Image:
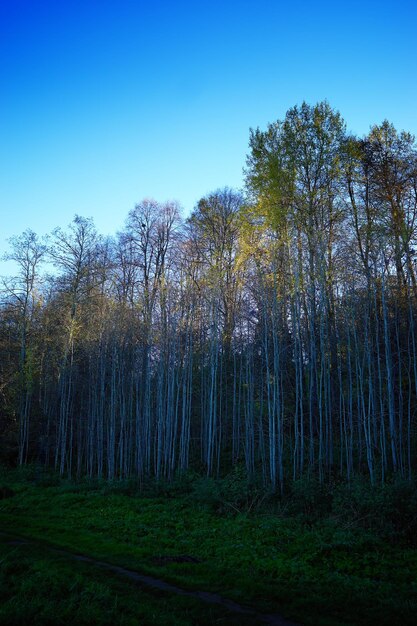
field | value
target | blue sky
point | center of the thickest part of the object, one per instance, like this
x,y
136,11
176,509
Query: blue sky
x,y
103,103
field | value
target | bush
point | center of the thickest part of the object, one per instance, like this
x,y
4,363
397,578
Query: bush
x,y
389,510
123,487
206,491
235,493
310,498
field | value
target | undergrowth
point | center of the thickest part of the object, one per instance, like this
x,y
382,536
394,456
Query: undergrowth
x,y
277,552
387,510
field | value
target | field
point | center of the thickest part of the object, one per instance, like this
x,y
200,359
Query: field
x,y
324,571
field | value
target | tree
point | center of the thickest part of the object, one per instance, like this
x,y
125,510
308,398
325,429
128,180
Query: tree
x,y
73,254
23,296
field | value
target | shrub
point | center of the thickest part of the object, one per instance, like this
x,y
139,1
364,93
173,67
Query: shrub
x,y
235,493
309,498
389,510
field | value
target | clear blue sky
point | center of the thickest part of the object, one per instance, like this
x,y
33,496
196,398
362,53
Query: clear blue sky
x,y
103,103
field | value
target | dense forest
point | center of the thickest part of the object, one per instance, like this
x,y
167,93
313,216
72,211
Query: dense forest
x,y
274,328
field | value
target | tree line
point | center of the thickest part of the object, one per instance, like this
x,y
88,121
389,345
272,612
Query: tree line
x,y
273,328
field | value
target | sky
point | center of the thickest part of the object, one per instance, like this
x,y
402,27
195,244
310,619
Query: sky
x,y
106,102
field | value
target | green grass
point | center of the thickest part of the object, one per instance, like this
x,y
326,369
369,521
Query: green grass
x,y
330,573
38,588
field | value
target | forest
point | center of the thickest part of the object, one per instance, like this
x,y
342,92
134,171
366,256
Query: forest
x,y
224,402
274,328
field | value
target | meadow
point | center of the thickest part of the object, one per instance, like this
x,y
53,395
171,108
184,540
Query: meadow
x,y
349,559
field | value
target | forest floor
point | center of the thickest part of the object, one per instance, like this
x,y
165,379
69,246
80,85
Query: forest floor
x,y
328,573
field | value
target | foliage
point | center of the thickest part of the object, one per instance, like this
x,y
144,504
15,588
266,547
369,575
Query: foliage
x,y
389,510
234,494
282,562
40,588
268,342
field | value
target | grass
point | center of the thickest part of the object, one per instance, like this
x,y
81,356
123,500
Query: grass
x,y
325,573
47,589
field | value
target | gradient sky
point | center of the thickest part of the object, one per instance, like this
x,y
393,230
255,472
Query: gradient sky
x,y
103,103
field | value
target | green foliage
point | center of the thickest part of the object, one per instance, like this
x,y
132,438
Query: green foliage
x,y
388,510
234,494
284,157
285,563
206,492
310,498
41,589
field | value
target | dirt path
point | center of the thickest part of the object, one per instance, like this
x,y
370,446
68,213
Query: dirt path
x,y
212,598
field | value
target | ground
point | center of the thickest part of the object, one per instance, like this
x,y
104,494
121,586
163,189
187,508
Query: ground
x,y
322,573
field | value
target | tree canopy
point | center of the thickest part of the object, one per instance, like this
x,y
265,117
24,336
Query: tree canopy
x,y
275,327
